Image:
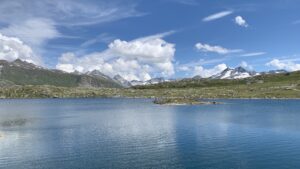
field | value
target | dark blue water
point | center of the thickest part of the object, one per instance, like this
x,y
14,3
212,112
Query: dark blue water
x,y
134,133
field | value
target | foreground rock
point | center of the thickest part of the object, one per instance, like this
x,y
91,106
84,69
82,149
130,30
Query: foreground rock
x,y
181,101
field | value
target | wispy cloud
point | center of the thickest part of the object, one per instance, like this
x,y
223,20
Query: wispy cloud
x,y
186,2
37,22
216,49
157,36
67,12
102,38
35,31
217,16
254,54
296,22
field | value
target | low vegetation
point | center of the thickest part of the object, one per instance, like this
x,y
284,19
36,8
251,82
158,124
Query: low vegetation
x,y
266,86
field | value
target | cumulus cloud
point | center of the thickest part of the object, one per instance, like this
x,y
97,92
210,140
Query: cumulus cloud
x,y
13,48
284,64
199,70
217,16
205,73
134,60
184,68
246,65
215,49
240,21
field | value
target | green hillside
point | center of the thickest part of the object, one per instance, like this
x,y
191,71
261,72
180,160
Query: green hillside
x,y
23,73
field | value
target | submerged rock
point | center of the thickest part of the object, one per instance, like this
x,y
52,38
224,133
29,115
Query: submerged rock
x,y
181,101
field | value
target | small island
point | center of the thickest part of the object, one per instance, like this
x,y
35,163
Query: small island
x,y
14,122
181,101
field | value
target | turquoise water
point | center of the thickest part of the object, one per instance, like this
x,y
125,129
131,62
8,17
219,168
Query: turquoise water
x,y
134,133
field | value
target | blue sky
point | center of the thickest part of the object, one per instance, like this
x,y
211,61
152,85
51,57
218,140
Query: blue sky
x,y
142,39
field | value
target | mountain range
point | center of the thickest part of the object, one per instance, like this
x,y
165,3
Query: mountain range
x,y
239,73
20,72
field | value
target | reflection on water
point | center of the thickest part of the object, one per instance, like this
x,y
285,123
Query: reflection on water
x,y
134,133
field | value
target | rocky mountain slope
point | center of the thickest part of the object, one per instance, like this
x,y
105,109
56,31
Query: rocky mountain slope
x,y
122,81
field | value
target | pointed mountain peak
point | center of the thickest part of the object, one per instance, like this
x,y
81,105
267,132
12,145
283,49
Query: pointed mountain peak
x,y
98,74
118,77
240,69
25,64
122,81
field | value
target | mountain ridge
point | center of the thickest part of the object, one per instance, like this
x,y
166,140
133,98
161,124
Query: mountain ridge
x,y
21,72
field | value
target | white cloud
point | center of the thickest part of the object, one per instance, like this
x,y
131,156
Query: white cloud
x,y
246,65
67,12
36,22
102,38
205,73
240,21
184,68
13,48
253,54
284,64
217,16
134,60
197,69
34,31
66,67
186,2
216,49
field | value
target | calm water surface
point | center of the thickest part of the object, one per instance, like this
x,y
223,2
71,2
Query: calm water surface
x,y
134,133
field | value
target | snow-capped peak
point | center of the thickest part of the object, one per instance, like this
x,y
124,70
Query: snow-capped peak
x,y
237,73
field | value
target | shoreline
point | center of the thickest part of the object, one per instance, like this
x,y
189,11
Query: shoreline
x,y
208,93
141,97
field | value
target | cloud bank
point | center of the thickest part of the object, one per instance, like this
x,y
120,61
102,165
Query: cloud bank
x,y
13,48
138,59
284,64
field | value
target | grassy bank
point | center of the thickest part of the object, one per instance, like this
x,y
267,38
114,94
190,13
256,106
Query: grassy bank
x,y
267,86
238,91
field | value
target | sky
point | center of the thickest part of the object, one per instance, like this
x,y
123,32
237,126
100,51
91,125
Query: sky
x,y
142,39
